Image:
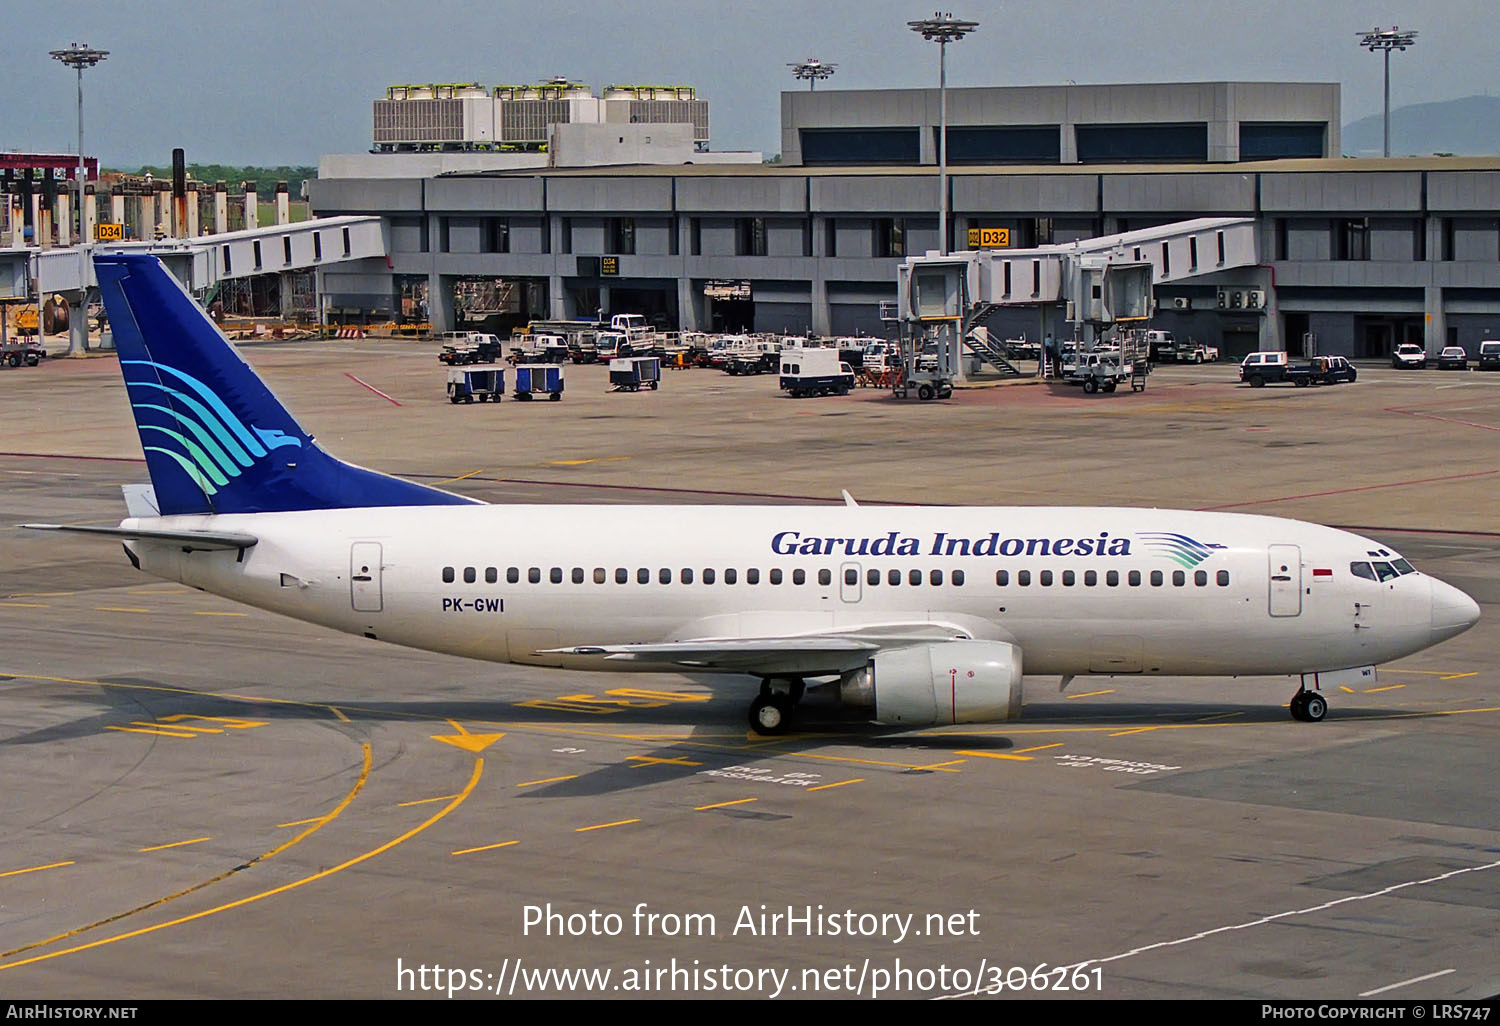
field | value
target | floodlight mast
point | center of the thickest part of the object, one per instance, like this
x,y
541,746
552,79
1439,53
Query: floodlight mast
x,y
942,28
812,69
79,56
1386,40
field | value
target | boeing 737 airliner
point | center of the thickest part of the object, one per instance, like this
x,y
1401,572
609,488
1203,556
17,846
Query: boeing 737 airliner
x,y
920,615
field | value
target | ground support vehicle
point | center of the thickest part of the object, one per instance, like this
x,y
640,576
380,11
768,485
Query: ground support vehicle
x,y
464,386
1264,367
534,379
1489,355
541,349
462,347
22,350
1321,370
634,373
807,372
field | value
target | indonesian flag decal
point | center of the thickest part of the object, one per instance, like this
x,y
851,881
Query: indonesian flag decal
x,y
1321,571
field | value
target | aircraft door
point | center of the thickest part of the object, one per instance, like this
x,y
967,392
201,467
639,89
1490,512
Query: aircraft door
x,y
850,589
364,576
1286,579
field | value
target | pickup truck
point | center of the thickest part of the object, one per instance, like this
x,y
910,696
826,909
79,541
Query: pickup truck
x,y
1320,370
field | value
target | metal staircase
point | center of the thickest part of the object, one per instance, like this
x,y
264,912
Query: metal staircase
x,y
978,341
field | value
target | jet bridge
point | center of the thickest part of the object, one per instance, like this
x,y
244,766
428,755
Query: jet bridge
x,y
1095,284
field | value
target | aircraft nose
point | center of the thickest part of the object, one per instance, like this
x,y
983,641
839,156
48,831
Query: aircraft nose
x,y
1453,612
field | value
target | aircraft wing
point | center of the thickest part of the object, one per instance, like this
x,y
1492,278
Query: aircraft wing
x,y
804,655
191,541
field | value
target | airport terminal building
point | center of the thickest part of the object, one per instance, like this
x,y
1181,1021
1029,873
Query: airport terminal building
x,y
1361,254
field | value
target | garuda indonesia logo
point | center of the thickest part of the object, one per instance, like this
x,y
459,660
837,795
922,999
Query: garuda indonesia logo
x,y
1179,548
213,445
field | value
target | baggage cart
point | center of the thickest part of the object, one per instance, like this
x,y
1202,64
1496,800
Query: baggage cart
x,y
465,385
533,379
634,373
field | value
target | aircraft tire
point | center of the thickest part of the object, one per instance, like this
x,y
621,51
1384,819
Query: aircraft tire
x,y
1314,707
1296,707
771,715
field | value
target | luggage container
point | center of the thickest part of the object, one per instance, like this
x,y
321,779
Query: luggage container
x,y
635,373
533,379
464,385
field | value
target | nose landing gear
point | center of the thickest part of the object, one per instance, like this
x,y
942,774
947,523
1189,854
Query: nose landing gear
x,y
1308,706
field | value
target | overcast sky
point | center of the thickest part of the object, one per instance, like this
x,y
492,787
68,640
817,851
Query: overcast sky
x,y
286,81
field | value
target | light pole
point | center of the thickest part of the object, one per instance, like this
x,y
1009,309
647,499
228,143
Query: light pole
x,y
944,28
79,56
1387,40
812,69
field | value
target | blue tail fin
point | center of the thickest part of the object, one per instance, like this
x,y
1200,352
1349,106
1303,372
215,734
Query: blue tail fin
x,y
216,439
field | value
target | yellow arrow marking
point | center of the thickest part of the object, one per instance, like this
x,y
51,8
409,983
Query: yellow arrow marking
x,y
475,743
232,722
653,760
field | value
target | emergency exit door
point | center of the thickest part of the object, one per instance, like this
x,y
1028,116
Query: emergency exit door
x,y
364,576
1286,579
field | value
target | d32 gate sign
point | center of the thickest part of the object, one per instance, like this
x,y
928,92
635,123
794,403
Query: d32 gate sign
x,y
989,238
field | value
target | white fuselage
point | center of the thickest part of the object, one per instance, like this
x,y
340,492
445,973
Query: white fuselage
x,y
1107,590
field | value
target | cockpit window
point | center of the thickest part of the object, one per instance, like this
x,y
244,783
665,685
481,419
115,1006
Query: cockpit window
x,y
1362,570
1403,567
1386,571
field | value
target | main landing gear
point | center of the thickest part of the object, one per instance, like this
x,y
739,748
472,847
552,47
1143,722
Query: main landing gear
x,y
1308,706
771,712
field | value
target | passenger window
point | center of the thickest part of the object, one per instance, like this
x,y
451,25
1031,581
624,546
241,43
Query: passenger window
x,y
469,576
872,577
447,575
686,575
935,578
664,575
708,576
1156,579
851,576
1386,571
556,575
1112,578
958,578
1179,578
491,575
825,577
1200,578
643,576
513,575
1023,578
1045,578
578,575
893,577
622,576
1090,578
1069,578
1002,577
914,577
799,576
598,575
775,577
730,576
1223,578
752,576
1364,570
1135,578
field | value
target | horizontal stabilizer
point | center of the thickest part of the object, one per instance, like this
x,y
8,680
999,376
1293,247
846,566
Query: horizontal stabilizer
x,y
191,541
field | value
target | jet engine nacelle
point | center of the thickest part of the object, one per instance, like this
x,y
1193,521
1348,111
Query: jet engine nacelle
x,y
945,682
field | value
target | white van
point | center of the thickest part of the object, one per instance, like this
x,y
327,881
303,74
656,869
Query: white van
x,y
1489,355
